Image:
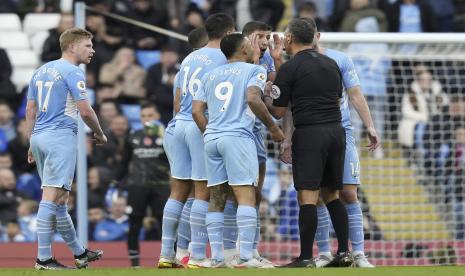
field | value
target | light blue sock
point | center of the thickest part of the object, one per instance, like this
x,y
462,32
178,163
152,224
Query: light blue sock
x,y
184,228
322,230
66,229
257,231
199,235
171,215
356,235
230,225
246,224
215,226
45,220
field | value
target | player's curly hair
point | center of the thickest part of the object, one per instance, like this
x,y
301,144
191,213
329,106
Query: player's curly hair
x,y
73,35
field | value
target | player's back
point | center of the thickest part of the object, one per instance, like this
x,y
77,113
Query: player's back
x,y
349,79
55,87
225,90
193,67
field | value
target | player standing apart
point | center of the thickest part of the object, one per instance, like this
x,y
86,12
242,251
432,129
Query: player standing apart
x,y
56,92
189,156
232,93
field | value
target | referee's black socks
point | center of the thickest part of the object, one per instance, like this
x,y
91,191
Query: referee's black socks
x,y
340,221
308,220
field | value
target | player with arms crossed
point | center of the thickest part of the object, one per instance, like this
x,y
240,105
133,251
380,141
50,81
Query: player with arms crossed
x,y
232,93
351,177
56,92
188,158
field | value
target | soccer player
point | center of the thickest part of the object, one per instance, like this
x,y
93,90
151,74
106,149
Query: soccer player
x,y
56,92
351,179
197,38
188,157
232,93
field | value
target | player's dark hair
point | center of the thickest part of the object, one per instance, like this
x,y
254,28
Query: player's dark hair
x,y
218,24
197,38
230,43
253,26
303,30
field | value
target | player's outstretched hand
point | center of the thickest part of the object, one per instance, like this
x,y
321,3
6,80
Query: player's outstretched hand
x,y
276,134
256,47
30,157
268,88
100,139
277,50
375,142
285,152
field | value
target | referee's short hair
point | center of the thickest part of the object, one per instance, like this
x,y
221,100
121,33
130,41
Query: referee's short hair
x,y
231,43
302,30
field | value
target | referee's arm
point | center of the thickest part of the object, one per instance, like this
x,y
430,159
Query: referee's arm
x,y
278,107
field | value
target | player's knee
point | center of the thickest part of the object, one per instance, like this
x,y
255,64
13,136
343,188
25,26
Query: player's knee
x,y
348,196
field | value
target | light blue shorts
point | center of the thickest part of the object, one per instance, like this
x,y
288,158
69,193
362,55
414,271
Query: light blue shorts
x,y
231,159
55,154
351,162
261,148
188,158
169,143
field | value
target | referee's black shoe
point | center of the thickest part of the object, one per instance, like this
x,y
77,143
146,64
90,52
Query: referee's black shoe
x,y
50,264
297,262
343,259
83,260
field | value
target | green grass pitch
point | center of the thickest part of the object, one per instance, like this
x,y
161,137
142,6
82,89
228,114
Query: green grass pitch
x,y
380,271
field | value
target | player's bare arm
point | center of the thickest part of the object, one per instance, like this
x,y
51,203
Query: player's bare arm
x,y
90,118
358,101
259,109
177,100
31,110
285,153
198,114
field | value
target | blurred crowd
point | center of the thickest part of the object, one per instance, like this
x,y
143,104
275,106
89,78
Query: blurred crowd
x,y
133,66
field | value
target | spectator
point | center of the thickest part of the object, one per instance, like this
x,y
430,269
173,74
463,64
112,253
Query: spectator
x,y
27,218
411,16
116,226
9,196
38,6
308,10
361,12
107,111
143,10
194,18
18,148
98,179
459,16
177,10
105,92
159,83
51,49
6,162
458,190
268,11
95,214
8,6
13,233
7,88
444,14
7,121
126,76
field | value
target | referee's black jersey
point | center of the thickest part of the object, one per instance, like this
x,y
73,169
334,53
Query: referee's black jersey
x,y
312,83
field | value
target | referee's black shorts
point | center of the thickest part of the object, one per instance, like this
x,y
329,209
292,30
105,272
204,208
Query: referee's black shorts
x,y
318,153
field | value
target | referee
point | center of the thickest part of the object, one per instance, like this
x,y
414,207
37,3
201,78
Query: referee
x,y
312,84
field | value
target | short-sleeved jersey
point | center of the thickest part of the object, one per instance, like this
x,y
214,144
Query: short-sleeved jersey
x,y
55,87
225,92
266,62
349,80
193,67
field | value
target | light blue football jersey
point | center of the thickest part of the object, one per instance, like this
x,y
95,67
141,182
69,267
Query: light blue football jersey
x,y
55,87
225,92
349,80
266,62
172,122
193,67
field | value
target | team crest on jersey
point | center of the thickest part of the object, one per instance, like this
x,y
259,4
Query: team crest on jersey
x,y
261,76
81,85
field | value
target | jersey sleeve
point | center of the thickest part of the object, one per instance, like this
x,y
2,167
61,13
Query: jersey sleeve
x,y
283,82
257,78
349,74
76,83
31,95
200,94
176,81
